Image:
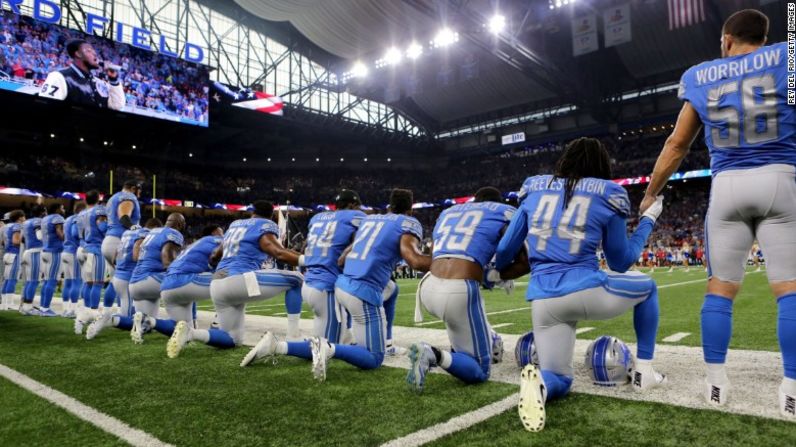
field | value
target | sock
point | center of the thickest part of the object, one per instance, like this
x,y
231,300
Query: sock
x,y
389,311
358,356
85,293
717,374
47,291
296,349
200,335
165,327
788,386
66,292
29,291
95,293
110,297
121,322
786,332
557,385
281,347
77,285
220,339
645,322
465,368
293,300
716,328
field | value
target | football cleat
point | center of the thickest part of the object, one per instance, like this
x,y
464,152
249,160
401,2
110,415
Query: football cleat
x,y
32,312
716,394
320,356
787,405
422,359
98,325
394,351
68,314
497,348
266,347
532,398
644,377
178,340
140,327
47,313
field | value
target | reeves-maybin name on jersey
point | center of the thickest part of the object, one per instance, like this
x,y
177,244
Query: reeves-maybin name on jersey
x,y
241,252
471,231
329,234
742,101
375,252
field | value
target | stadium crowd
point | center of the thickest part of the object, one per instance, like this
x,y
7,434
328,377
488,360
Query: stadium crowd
x,y
30,50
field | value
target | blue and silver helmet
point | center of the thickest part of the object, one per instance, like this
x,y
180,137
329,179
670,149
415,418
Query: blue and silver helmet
x,y
609,360
525,351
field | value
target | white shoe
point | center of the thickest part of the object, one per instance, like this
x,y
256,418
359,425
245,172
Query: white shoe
x,y
98,325
422,359
179,339
644,377
532,398
787,405
83,318
140,324
320,355
394,351
716,394
266,347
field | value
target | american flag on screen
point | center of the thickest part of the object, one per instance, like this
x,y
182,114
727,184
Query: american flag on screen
x,y
248,99
684,13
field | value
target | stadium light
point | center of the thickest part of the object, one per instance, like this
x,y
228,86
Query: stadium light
x,y
365,159
389,160
82,140
190,154
496,24
104,143
414,50
560,3
244,159
445,37
317,159
135,147
269,159
341,159
358,70
293,159
393,56
52,135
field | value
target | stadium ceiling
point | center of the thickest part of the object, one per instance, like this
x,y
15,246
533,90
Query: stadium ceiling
x,y
528,66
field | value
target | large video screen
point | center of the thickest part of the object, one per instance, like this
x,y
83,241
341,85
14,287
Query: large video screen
x,y
55,62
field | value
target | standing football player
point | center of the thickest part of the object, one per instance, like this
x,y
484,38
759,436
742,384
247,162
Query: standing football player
x,y
750,130
379,243
93,221
69,264
31,259
239,279
52,231
11,257
157,251
563,218
465,239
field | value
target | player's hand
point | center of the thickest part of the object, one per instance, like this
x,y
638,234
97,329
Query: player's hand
x,y
507,286
652,210
646,203
112,73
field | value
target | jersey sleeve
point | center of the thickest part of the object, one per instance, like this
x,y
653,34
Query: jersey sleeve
x,y
58,220
175,237
685,89
617,200
269,227
508,213
523,193
356,219
100,211
512,239
410,225
54,86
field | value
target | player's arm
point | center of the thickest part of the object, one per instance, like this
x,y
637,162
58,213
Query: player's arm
x,y
620,252
520,266
124,211
215,256
674,151
271,245
169,253
16,239
410,251
137,249
511,242
341,259
54,86
59,231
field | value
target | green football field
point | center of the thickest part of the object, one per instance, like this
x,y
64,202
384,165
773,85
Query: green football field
x,y
205,398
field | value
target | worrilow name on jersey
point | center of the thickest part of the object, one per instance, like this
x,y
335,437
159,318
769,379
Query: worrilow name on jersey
x,y
740,67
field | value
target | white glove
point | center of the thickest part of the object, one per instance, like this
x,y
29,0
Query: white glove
x,y
493,275
507,285
655,210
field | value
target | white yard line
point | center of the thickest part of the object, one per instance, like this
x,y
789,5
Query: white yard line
x,y
455,424
496,326
582,330
95,417
676,337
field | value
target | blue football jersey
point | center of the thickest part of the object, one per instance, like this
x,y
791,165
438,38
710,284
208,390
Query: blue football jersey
x,y
242,245
149,259
328,235
80,227
71,239
49,237
195,258
9,230
742,101
124,252
471,231
94,233
375,252
29,228
114,227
